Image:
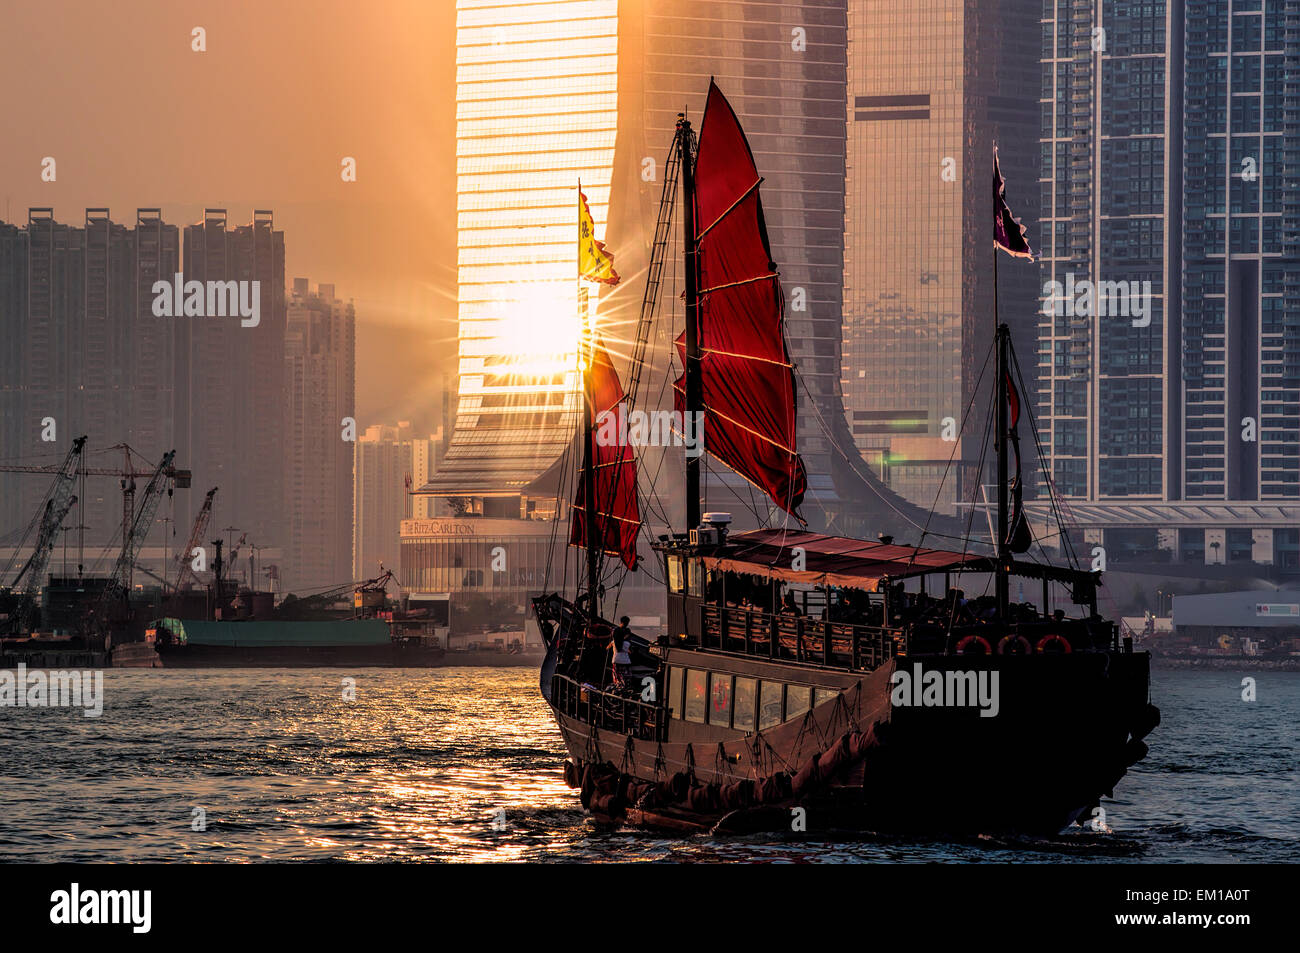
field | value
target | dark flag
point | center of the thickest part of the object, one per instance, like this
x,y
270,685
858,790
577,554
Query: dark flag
x,y
1008,233
1019,538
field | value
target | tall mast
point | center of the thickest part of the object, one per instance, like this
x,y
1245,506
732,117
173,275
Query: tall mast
x,y
1002,395
589,464
694,386
588,354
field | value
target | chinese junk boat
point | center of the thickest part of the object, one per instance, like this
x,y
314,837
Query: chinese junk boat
x,y
848,678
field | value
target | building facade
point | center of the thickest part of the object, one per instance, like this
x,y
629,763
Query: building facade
x,y
386,461
87,356
1170,150
931,91
781,66
320,404
536,112
233,376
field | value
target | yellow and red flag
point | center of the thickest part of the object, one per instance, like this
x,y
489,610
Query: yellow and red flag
x,y
594,263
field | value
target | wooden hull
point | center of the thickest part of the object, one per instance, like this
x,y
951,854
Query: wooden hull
x,y
1066,729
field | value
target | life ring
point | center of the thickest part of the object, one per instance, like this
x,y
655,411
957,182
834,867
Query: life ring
x,y
1055,639
968,640
1005,643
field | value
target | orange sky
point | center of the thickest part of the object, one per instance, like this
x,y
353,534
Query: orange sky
x,y
286,89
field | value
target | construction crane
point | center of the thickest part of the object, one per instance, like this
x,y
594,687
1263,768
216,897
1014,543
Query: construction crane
x,y
231,559
119,585
58,501
186,558
126,474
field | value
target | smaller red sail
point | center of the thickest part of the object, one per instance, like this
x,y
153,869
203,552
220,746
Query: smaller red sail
x,y
618,519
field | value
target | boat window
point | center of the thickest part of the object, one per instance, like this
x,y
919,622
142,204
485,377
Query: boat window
x,y
696,577
746,689
674,573
720,700
769,707
797,698
675,681
823,694
697,685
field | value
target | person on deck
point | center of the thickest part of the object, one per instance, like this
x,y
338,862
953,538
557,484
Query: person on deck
x,y
620,648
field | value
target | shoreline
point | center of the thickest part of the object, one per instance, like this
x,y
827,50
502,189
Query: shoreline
x,y
1225,664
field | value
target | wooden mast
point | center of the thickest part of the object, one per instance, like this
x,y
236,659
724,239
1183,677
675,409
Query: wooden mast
x,y
694,395
587,353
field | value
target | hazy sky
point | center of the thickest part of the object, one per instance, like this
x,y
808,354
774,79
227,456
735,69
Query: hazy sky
x,y
262,119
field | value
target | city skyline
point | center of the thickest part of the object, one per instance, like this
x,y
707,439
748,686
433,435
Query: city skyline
x,y
651,432
1102,109
166,132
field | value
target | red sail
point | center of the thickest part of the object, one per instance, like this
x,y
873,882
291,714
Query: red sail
x,y
747,376
617,517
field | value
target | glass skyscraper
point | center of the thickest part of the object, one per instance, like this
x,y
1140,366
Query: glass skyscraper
x,y
550,92
931,90
536,111
781,65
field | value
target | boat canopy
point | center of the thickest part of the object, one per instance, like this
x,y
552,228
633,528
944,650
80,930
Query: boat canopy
x,y
856,563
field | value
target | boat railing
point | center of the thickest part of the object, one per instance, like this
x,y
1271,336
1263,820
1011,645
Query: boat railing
x,y
798,638
607,710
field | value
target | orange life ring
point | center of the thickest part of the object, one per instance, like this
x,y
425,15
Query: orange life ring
x,y
1054,639
966,642
1005,643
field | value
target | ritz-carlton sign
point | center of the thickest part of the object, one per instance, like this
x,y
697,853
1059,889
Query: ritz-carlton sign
x,y
438,528
472,527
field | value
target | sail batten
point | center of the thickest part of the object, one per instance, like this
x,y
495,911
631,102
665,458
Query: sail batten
x,y
747,376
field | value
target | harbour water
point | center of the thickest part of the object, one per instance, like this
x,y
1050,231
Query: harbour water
x,y
464,764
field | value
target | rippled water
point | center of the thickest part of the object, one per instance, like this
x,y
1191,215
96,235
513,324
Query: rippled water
x,y
424,763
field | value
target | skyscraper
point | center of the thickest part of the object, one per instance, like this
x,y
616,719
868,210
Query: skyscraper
x,y
87,353
1170,156
13,306
782,67
233,376
604,83
536,95
320,398
1109,165
931,90
386,461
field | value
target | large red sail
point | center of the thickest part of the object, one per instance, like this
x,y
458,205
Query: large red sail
x,y
617,516
746,372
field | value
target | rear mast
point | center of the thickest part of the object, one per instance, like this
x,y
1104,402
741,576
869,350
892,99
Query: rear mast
x,y
1003,425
